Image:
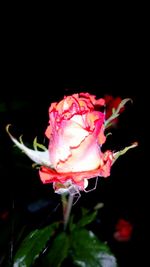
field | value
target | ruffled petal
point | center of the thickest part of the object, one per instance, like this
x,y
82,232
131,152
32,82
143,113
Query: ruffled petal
x,y
48,175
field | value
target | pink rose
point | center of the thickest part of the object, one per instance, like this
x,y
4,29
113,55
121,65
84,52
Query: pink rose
x,y
76,133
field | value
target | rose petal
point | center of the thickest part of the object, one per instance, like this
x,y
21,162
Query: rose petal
x,y
48,175
69,135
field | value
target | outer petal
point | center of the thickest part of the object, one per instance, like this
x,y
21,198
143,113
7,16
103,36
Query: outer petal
x,y
98,102
101,136
69,135
85,158
48,132
49,175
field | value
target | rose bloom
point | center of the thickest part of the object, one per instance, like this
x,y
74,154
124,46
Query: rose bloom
x,y
123,230
76,134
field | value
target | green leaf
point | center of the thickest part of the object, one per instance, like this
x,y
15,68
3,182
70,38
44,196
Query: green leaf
x,y
39,157
87,219
123,151
36,145
88,250
58,251
122,103
115,112
84,211
33,245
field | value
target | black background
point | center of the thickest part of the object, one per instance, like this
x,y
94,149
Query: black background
x,y
38,68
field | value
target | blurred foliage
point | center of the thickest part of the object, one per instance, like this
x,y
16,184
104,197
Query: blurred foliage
x,y
51,246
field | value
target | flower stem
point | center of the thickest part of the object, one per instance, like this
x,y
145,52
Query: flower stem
x,y
67,210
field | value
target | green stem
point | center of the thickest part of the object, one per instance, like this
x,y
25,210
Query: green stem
x,y
67,210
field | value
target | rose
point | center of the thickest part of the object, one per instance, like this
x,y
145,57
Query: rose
x,y
76,135
123,230
64,181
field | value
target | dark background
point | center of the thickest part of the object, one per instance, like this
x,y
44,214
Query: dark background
x,y
37,69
